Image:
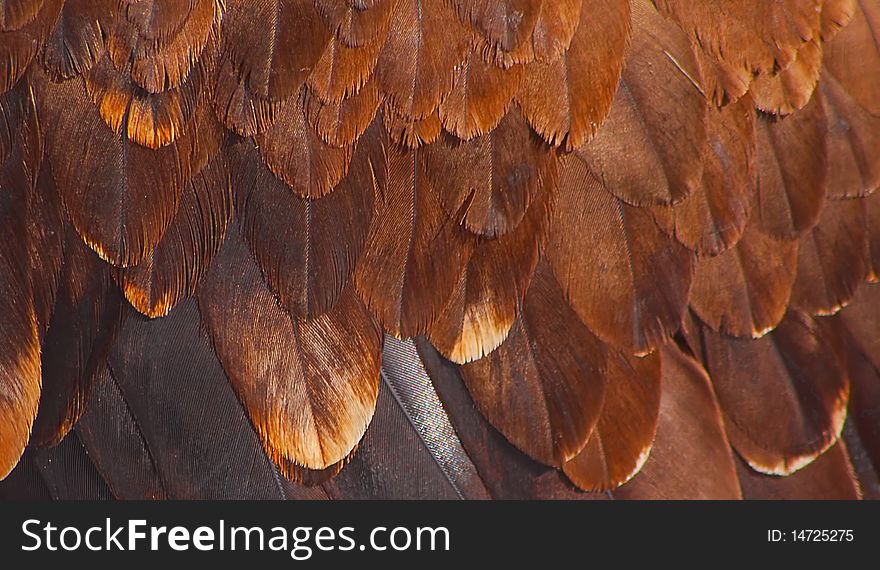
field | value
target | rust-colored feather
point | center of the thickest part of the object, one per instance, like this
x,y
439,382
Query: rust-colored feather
x,y
19,45
480,97
713,217
425,44
691,457
341,124
790,89
411,133
297,155
622,440
649,149
626,279
860,317
306,248
356,24
543,387
859,75
832,259
567,99
831,476
506,25
745,291
487,299
497,175
172,271
414,251
342,71
795,381
308,385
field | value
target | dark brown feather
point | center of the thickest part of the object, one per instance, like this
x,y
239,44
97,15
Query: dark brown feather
x,y
831,476
341,124
76,41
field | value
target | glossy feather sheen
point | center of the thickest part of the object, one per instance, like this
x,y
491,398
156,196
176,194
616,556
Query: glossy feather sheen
x,y
550,358
623,276
796,379
309,386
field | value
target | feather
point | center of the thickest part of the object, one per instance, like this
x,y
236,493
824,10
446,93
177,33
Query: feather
x,y
506,25
411,133
45,238
15,14
625,278
864,470
622,440
872,206
295,153
410,450
649,149
183,410
713,217
792,170
860,317
566,100
836,14
858,76
172,271
790,89
356,25
69,473
343,71
237,107
425,44
832,259
76,41
506,472
829,477
851,134
158,66
543,387
750,37
80,333
796,382
341,124
414,252
498,175
864,401
119,196
745,291
307,249
19,45
309,386
115,444
691,457
487,299
20,342
481,96
24,483
273,45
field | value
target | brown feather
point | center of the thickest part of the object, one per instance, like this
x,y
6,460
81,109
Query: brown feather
x,y
309,386
172,271
792,172
649,149
480,97
497,174
506,25
425,44
691,457
832,259
119,196
237,107
566,100
353,24
624,277
487,299
790,89
341,124
622,440
19,45
836,14
295,153
414,251
306,248
713,217
861,319
795,382
543,387
411,133
831,476
872,223
858,75
342,71
76,41
745,291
